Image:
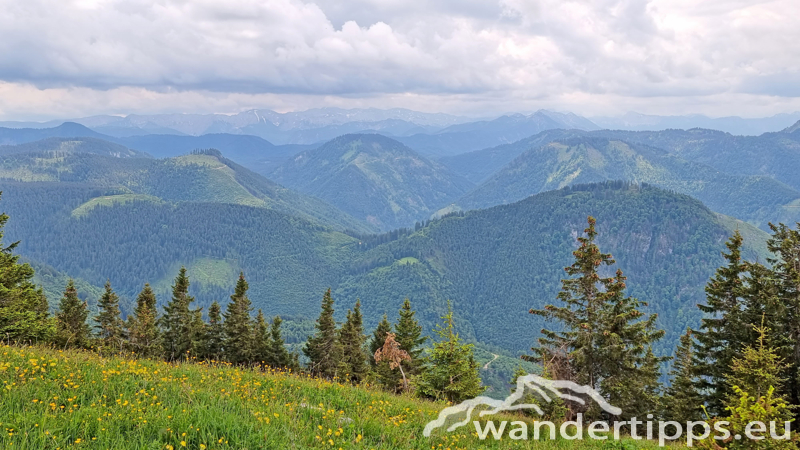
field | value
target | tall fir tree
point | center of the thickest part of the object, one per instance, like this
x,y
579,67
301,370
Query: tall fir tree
x,y
144,339
604,341
682,401
24,315
718,339
177,323
197,333
278,356
215,334
629,369
388,378
72,331
261,340
582,299
450,371
323,349
110,326
408,333
785,246
237,325
354,363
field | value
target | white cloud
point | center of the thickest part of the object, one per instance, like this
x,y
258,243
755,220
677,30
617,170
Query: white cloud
x,y
590,56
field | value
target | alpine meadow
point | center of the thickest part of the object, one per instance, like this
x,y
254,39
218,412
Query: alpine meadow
x,y
320,224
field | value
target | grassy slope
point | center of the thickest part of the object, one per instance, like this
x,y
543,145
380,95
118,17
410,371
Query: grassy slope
x,y
54,399
110,200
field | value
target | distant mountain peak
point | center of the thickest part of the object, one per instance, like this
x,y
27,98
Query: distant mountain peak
x,y
792,128
373,178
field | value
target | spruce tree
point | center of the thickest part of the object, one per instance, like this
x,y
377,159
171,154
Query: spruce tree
x,y
682,401
197,333
110,326
237,325
24,315
718,339
144,339
177,322
409,335
785,274
261,340
215,334
450,371
351,337
279,356
604,339
323,349
72,331
579,317
629,369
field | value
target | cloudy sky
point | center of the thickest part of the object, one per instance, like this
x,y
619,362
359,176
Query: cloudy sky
x,y
69,58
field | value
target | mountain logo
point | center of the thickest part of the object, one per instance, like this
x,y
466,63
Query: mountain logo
x,y
547,390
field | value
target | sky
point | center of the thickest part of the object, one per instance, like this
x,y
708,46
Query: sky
x,y
75,58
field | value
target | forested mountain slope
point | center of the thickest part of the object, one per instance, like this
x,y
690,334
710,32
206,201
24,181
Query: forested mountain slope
x,y
203,177
498,263
253,152
584,159
289,261
373,178
776,155
477,166
494,264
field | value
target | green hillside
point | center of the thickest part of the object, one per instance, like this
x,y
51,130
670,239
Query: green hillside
x,y
774,155
494,264
477,166
498,263
289,261
203,177
373,178
755,199
80,400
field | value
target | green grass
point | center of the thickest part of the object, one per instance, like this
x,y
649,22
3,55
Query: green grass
x,y
111,200
408,260
54,400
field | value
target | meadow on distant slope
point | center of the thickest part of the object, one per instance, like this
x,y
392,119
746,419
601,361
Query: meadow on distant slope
x,y
72,399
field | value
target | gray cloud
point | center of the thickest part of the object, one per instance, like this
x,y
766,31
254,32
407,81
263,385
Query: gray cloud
x,y
467,55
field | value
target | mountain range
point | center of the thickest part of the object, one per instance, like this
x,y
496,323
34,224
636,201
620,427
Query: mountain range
x,y
735,125
462,138
200,177
757,199
97,210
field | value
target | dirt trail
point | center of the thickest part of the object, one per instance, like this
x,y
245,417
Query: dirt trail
x,y
486,366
